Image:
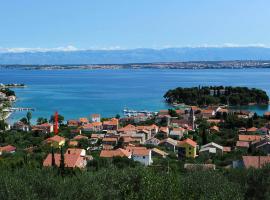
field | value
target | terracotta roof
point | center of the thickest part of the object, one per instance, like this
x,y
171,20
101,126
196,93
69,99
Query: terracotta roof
x,y
160,152
87,126
73,143
73,122
267,114
114,153
208,111
71,160
252,129
242,144
150,127
249,137
112,122
255,161
195,108
83,120
180,112
107,147
96,123
127,128
98,136
170,141
79,137
227,149
164,129
56,138
188,141
76,151
216,121
110,139
138,151
8,148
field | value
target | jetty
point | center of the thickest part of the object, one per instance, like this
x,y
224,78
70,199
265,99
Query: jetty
x,y
129,113
18,109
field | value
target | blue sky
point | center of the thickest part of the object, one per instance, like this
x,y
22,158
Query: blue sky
x,y
129,24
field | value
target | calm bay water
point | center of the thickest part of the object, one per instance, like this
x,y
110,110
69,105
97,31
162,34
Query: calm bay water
x,y
78,93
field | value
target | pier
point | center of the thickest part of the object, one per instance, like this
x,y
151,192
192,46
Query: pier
x,y
129,113
18,109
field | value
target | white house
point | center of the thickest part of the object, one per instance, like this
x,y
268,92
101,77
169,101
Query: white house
x,y
141,154
95,117
211,148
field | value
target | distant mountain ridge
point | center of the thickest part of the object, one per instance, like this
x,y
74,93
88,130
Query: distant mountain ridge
x,y
135,56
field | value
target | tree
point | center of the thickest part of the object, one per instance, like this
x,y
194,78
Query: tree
x,y
62,162
53,158
172,113
204,137
3,125
24,120
117,116
41,120
60,119
29,117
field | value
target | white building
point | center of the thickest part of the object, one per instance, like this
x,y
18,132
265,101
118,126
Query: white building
x,y
95,117
141,154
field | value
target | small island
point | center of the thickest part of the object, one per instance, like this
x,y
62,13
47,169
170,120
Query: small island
x,y
216,95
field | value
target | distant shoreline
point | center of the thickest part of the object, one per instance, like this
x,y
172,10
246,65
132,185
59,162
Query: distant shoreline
x,y
248,64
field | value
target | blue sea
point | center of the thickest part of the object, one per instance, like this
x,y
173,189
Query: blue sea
x,y
78,93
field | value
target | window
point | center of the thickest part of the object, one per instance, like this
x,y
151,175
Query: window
x,y
189,148
143,157
189,153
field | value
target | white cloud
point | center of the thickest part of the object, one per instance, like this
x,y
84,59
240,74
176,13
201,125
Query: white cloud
x,y
38,49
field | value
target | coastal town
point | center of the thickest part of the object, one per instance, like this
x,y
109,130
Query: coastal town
x,y
210,137
190,139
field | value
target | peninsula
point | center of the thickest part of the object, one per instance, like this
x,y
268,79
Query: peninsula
x,y
216,95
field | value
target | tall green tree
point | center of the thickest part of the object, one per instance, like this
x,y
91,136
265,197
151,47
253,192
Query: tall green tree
x,y
53,158
62,162
29,117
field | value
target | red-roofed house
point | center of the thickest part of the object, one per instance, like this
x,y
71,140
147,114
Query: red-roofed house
x,y
115,153
249,138
56,141
187,148
73,123
140,154
43,128
255,161
72,160
111,124
7,149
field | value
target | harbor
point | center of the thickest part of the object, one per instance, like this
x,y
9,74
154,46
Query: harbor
x,y
131,113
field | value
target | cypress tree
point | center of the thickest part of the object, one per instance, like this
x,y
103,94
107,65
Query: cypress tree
x,y
62,162
53,158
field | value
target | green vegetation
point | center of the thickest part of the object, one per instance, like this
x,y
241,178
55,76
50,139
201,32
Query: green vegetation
x,y
216,95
